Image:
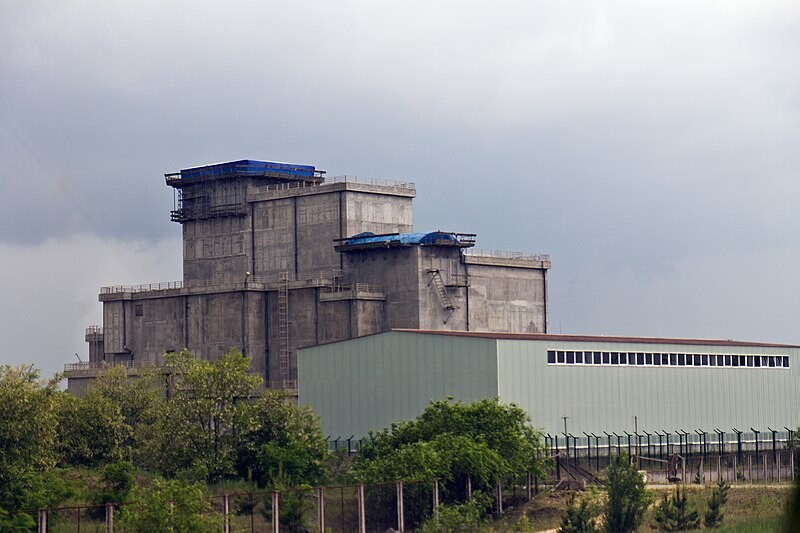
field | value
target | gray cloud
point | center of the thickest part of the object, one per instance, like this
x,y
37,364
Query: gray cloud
x,y
649,147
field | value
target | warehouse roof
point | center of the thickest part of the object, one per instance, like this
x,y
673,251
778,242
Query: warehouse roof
x,y
594,338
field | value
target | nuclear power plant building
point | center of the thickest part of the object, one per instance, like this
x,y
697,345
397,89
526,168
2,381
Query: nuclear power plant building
x,y
276,257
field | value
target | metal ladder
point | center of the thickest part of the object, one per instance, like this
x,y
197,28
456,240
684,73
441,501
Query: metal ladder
x,y
283,324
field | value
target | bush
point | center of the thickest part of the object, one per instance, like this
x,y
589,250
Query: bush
x,y
467,517
673,513
627,498
719,496
169,506
578,519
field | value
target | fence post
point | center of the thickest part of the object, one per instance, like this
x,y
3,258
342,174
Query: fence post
x,y
42,520
362,516
750,467
321,509
735,474
276,512
400,519
469,488
435,498
683,469
499,499
226,513
778,464
719,468
528,487
764,456
109,518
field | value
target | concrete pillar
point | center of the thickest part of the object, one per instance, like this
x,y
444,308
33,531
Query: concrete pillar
x,y
400,515
276,512
42,520
109,518
226,513
321,509
362,517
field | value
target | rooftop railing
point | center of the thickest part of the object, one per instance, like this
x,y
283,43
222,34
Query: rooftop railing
x,y
502,254
409,185
165,285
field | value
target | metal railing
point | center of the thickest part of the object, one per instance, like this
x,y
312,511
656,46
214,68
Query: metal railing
x,y
288,385
358,287
117,289
101,365
94,330
502,254
408,185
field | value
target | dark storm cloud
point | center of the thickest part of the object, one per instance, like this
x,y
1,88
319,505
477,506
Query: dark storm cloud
x,y
649,147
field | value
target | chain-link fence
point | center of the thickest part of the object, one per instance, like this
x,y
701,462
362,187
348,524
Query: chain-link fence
x,y
378,507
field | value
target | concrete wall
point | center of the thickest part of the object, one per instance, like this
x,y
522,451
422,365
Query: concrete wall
x,y
507,297
364,211
397,271
290,230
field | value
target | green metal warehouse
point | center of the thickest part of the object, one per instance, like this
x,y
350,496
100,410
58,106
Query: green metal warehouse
x,y
601,384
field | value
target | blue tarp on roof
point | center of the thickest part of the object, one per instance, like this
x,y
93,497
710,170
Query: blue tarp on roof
x,y
434,237
249,167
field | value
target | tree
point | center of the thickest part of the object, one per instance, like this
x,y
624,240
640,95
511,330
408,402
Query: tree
x,y
281,442
27,438
450,440
673,513
91,431
484,441
578,518
208,408
719,497
627,498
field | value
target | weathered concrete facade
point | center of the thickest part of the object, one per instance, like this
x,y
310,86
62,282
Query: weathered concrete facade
x,y
268,270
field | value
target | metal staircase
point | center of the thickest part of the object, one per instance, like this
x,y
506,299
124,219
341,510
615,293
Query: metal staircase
x,y
441,290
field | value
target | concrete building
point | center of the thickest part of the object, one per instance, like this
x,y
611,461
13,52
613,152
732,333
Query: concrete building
x,y
602,384
276,257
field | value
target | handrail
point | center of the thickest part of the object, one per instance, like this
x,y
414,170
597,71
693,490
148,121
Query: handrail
x,y
409,185
502,254
166,285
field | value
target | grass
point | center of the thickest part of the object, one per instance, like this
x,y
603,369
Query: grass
x,y
751,509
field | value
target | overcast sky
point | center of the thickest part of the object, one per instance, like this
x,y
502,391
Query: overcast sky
x,y
649,147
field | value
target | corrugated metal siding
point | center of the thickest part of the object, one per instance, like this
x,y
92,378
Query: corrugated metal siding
x,y
366,383
607,398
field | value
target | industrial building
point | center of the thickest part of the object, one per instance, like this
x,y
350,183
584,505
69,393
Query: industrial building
x,y
326,286
276,257
601,384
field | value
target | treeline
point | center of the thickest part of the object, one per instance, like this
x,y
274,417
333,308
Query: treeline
x,y
195,423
